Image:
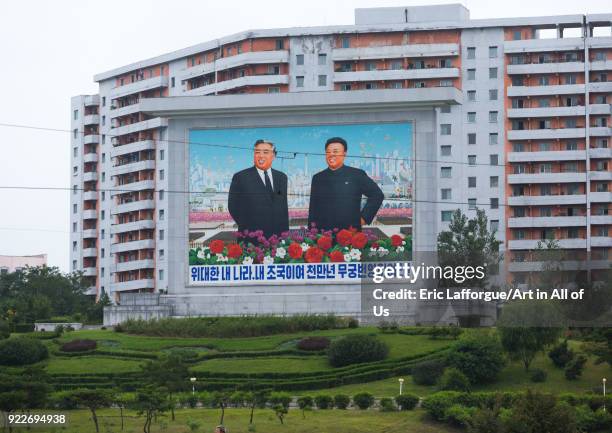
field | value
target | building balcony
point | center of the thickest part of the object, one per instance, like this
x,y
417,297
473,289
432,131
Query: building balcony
x,y
158,122
90,234
532,244
601,219
148,164
91,119
546,112
90,214
133,285
604,109
90,176
600,131
395,52
605,87
600,197
601,65
543,45
137,146
91,100
90,195
556,221
566,265
546,68
600,175
134,186
536,200
91,139
139,86
90,272
546,134
133,246
133,206
133,265
553,155
90,157
562,89
248,80
124,111
601,241
133,226
396,74
90,252
546,178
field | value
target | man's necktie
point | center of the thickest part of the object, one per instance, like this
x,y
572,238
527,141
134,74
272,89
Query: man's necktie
x,y
268,183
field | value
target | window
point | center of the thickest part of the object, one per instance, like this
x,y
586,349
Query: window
x,y
518,190
74,208
75,151
445,194
104,157
74,227
102,215
545,190
172,82
445,109
74,189
102,252
471,138
103,120
322,59
161,235
74,245
471,74
599,56
471,95
493,95
493,181
103,139
161,154
370,86
492,73
104,101
471,203
161,194
162,174
299,59
75,114
519,234
396,64
322,80
446,172
570,79
493,159
445,150
572,232
517,81
492,116
545,211
103,195
445,63
395,85
471,182
280,44
545,124
103,176
494,225
102,234
492,52
543,103
493,138
544,147
161,274
518,147
471,159
160,254
419,85
445,129
346,42
471,117
75,133
273,89
161,214
101,272
446,215
345,87
519,212
494,203
299,81
543,81
446,83
74,265
570,123
471,52
519,168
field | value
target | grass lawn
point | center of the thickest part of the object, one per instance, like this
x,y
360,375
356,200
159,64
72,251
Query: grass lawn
x,y
91,364
236,420
408,345
285,364
379,388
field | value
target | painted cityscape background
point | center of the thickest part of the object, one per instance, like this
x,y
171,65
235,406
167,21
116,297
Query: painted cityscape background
x,y
383,150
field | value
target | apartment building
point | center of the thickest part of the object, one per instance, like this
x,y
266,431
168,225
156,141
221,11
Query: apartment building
x,y
512,116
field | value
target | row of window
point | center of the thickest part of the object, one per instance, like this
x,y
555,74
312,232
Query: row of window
x,y
493,52
471,74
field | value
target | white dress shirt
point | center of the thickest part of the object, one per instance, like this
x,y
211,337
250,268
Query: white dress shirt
x,y
263,176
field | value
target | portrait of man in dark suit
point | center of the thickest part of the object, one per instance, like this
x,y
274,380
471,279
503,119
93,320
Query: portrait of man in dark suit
x,y
336,192
258,195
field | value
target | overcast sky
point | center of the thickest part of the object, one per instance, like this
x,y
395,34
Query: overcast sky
x,y
50,51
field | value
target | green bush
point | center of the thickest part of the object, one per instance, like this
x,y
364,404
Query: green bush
x,y
23,327
5,331
428,372
354,349
561,354
478,357
537,412
486,421
22,351
588,420
363,400
406,401
342,401
437,404
387,405
538,375
305,402
459,416
324,401
352,323
573,370
454,380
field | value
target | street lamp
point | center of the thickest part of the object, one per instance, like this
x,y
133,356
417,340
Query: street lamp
x,y
604,393
401,382
193,381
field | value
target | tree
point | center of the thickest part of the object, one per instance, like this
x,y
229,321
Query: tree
x,y
121,402
12,401
150,402
479,357
468,242
304,403
524,342
92,399
255,399
537,413
280,411
220,400
169,372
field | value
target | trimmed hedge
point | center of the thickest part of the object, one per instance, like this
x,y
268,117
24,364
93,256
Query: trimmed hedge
x,y
354,349
22,351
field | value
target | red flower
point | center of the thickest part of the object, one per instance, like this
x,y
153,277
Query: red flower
x,y
314,255
324,242
375,245
234,251
336,256
396,240
344,237
295,250
216,246
359,240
